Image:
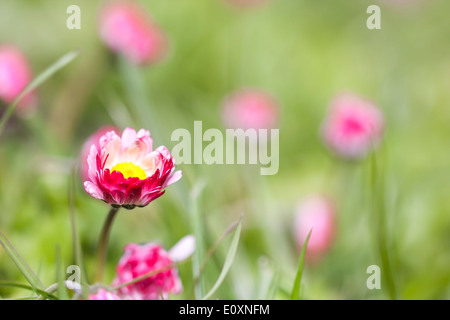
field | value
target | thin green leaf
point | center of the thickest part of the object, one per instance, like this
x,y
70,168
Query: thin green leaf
x,y
196,221
228,261
267,281
41,78
301,262
273,287
20,263
63,295
213,249
379,212
25,298
77,252
27,287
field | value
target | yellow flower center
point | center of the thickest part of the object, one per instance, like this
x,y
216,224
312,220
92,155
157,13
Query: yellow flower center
x,y
130,170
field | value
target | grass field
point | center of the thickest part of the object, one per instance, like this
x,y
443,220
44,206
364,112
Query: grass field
x,y
392,206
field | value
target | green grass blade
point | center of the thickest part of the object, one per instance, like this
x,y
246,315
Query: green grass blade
x,y
273,287
228,261
379,212
20,263
196,221
12,284
41,78
62,290
267,281
76,245
298,277
213,249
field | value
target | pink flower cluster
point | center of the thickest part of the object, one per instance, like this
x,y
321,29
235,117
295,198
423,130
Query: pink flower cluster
x,y
140,260
148,272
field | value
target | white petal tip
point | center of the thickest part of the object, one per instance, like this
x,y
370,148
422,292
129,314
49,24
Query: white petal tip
x,y
183,249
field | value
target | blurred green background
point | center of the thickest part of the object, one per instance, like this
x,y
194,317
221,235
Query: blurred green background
x,y
303,53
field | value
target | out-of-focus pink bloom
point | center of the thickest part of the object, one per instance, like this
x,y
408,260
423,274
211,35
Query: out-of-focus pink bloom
x,y
353,126
126,28
316,213
15,75
94,139
250,109
140,260
104,295
246,3
125,171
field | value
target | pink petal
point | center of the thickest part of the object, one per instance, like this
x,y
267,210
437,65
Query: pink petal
x,y
93,190
128,138
174,177
112,152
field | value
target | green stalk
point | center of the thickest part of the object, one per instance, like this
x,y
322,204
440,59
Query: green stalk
x,y
301,263
197,228
379,208
103,243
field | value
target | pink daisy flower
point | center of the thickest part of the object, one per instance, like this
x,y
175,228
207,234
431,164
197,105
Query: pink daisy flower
x,y
151,259
250,109
126,28
353,127
316,213
15,75
125,170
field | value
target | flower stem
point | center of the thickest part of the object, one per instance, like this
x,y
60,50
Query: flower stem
x,y
379,208
103,243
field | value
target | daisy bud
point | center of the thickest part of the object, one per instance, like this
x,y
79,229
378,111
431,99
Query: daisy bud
x,y
15,75
353,126
316,213
126,171
250,109
125,28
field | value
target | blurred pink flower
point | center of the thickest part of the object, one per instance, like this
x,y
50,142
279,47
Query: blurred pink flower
x,y
94,139
250,109
126,28
316,213
125,171
353,126
15,75
140,260
104,295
